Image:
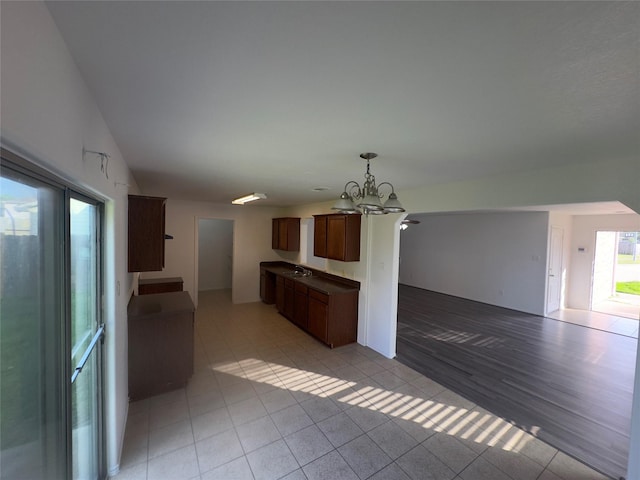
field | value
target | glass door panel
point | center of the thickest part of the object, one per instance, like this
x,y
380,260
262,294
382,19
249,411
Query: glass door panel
x,y
86,333
32,378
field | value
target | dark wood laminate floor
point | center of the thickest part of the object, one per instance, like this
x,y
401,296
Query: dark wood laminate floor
x,y
569,385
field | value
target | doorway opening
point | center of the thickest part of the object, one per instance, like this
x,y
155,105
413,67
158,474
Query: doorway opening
x,y
615,287
215,254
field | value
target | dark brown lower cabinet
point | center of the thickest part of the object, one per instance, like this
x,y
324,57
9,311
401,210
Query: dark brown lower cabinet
x,y
331,318
318,316
160,343
300,305
267,287
289,295
280,294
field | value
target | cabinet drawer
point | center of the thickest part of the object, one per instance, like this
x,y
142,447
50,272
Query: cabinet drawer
x,y
322,297
288,283
301,288
166,287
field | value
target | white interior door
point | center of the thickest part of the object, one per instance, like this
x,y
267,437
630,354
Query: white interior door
x,y
554,284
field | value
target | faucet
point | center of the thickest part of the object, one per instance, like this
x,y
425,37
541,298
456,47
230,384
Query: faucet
x,y
302,271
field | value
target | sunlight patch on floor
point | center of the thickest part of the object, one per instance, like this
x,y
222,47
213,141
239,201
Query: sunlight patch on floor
x,y
463,423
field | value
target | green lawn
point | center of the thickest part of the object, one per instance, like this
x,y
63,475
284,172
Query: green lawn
x,y
628,259
628,287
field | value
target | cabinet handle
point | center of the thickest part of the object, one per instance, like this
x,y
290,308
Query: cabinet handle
x,y
99,335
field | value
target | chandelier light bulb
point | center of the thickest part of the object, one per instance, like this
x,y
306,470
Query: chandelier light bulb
x,y
367,199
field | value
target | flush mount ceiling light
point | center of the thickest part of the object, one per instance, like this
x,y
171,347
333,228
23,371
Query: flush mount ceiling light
x,y
249,198
367,196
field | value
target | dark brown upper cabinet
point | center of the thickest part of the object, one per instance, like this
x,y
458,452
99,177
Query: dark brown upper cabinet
x,y
320,236
337,236
146,233
285,234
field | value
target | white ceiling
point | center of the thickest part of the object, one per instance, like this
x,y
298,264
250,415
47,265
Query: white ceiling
x,y
213,100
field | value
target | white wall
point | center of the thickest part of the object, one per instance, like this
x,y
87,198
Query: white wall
x,y
215,254
251,244
383,233
48,116
495,258
583,245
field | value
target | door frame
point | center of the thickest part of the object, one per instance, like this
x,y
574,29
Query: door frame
x,y
555,251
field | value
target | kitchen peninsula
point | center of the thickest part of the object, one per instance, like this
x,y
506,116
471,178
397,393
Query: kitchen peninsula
x,y
160,343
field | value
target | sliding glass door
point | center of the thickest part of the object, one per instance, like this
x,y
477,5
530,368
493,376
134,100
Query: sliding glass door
x,y
86,337
50,314
32,432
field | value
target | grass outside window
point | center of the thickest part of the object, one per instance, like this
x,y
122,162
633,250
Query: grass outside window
x,y
632,288
628,259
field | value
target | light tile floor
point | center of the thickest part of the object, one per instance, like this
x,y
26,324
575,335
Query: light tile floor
x,y
267,401
609,322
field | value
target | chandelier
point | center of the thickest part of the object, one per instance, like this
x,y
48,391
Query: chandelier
x,y
367,199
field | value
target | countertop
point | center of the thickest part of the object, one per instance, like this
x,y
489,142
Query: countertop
x,y
159,304
325,283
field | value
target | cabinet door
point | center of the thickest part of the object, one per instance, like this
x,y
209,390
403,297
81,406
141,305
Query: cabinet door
x,y
275,233
317,319
343,237
285,234
280,294
300,306
293,234
320,236
146,233
267,287
288,298
336,237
